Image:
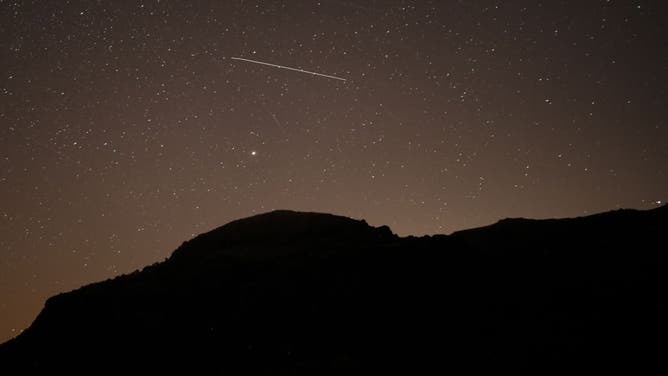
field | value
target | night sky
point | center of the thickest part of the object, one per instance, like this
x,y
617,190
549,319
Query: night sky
x,y
127,127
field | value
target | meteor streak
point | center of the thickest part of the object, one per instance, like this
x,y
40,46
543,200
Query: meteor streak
x,y
289,68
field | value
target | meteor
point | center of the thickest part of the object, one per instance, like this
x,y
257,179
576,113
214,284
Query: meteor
x,y
289,68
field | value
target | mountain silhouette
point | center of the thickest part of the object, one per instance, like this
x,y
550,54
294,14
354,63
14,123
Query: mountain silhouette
x,y
309,293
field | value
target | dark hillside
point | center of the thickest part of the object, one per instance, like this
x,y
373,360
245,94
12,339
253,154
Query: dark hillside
x,y
308,293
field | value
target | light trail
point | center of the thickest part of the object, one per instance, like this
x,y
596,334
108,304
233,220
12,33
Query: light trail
x,y
289,68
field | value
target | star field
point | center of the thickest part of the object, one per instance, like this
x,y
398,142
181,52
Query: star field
x,y
126,127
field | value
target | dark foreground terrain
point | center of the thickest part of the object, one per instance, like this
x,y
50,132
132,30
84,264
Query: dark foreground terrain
x,y
311,294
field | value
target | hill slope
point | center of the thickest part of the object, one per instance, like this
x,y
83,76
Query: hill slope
x,y
308,293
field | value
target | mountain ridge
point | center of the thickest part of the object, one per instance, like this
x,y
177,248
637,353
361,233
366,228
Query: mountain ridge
x,y
296,292
282,227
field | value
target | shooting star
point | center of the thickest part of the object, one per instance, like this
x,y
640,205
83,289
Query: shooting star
x,y
289,68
